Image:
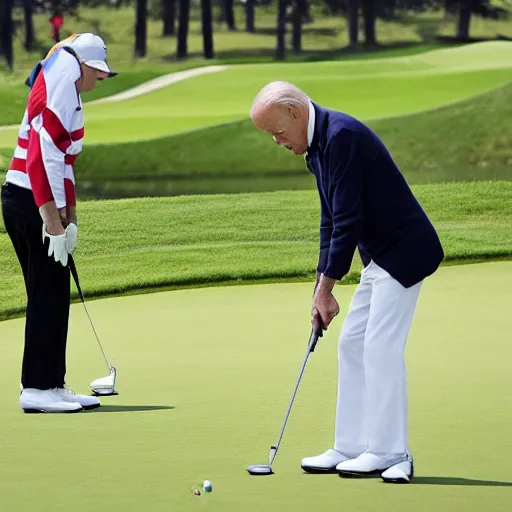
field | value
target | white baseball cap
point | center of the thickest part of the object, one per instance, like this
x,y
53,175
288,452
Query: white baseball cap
x,y
92,51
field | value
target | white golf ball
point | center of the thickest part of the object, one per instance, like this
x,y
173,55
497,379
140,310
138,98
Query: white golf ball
x,y
207,486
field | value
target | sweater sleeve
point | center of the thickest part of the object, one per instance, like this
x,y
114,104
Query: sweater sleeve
x,y
326,228
52,104
347,201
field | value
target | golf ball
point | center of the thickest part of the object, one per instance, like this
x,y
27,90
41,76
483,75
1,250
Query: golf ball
x,y
207,486
197,492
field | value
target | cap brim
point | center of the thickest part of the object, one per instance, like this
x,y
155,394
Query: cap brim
x,y
100,66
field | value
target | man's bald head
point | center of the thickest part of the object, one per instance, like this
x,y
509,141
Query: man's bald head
x,y
282,109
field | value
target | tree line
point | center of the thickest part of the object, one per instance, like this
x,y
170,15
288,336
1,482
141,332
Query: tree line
x,y
175,16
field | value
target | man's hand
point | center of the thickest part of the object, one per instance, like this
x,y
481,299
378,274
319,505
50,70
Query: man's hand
x,y
61,245
325,307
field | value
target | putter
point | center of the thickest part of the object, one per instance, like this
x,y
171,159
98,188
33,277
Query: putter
x,y
104,386
266,469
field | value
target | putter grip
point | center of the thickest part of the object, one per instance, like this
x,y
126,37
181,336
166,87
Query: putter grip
x,y
313,340
74,273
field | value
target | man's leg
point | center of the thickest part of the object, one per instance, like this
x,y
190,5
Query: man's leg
x,y
351,425
44,359
350,435
391,314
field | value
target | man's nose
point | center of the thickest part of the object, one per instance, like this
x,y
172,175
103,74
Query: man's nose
x,y
278,139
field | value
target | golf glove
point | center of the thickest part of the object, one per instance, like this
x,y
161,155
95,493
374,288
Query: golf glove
x,y
62,245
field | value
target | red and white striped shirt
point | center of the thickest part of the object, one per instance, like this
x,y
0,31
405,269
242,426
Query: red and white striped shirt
x,y
51,133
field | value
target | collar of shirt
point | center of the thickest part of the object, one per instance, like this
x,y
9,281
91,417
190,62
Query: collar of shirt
x,y
311,123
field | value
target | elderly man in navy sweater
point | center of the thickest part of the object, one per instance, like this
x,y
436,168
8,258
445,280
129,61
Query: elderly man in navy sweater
x,y
366,203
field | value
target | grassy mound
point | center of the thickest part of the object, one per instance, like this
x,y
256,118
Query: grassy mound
x,y
137,244
404,85
470,140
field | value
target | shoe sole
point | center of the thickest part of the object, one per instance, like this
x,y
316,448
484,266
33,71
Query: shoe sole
x,y
319,471
90,407
42,411
356,474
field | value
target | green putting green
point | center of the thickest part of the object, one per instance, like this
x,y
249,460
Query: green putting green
x,y
368,89
205,377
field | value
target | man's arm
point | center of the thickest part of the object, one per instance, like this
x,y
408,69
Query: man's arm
x,y
52,104
347,208
326,228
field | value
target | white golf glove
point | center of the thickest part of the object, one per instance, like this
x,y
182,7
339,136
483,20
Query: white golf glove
x,y
62,245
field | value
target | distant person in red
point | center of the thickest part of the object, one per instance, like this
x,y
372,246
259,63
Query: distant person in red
x,y
56,22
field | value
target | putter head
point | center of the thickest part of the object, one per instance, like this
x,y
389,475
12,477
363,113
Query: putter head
x,y
260,470
105,386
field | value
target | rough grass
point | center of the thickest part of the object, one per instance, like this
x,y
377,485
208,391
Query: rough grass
x,y
138,244
470,140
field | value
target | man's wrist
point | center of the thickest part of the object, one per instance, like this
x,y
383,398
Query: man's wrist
x,y
326,284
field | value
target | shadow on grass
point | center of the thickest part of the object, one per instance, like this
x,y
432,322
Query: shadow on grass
x,y
446,480
361,51
132,408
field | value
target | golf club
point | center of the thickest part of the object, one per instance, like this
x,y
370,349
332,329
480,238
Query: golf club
x,y
104,386
264,469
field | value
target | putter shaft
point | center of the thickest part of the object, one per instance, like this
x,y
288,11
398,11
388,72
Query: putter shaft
x,y
74,273
312,342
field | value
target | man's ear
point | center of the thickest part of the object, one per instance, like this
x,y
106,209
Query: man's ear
x,y
293,111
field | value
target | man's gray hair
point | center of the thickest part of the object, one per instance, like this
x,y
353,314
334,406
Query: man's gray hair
x,y
279,93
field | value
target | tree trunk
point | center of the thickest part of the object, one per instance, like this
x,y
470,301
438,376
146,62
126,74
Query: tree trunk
x,y
281,29
353,21
6,32
298,15
368,8
29,25
229,14
206,18
464,21
249,16
141,28
182,51
169,17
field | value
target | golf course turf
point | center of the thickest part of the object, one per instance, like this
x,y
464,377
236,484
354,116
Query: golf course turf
x,y
205,374
205,377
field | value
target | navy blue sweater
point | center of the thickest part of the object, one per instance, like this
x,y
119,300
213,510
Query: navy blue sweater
x,y
367,204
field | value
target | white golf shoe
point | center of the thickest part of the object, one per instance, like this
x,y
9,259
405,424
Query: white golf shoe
x,y
324,463
87,402
401,473
367,465
46,401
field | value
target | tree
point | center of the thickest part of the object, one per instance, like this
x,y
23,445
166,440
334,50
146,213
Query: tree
x,y
352,9
249,16
466,8
228,14
369,18
141,21
182,49
281,29
206,19
7,32
298,16
28,8
169,17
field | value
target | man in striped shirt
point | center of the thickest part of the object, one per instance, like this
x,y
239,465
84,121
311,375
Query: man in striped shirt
x,y
39,210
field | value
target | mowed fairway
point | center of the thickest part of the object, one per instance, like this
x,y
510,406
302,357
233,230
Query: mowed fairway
x,y
368,89
205,377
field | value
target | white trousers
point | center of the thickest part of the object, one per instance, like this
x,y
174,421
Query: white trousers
x,y
371,412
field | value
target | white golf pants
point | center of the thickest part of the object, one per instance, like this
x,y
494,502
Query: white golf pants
x,y
371,413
